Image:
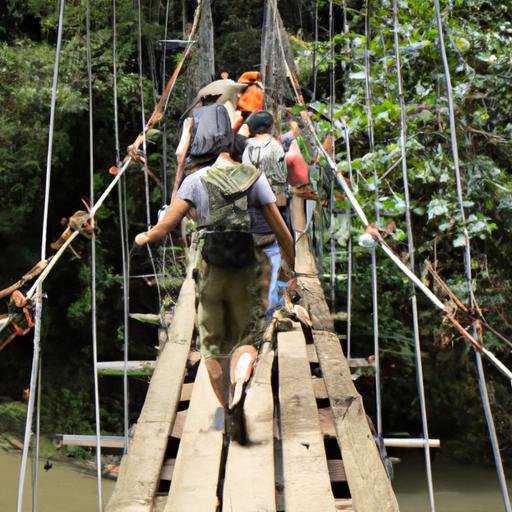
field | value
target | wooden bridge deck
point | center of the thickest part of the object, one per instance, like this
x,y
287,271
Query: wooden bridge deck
x,y
310,445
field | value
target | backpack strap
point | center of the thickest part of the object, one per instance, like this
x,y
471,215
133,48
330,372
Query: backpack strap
x,y
233,181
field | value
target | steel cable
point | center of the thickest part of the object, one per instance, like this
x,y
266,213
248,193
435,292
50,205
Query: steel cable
x,y
411,249
93,265
39,289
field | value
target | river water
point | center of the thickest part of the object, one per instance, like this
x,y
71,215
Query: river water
x,y
459,488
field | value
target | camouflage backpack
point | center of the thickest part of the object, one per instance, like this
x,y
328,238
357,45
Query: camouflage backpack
x,y
227,234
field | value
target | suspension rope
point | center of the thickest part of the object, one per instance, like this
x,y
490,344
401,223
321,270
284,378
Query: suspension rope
x,y
349,247
39,296
332,227
143,119
144,150
350,259
371,144
315,50
411,250
94,326
164,127
467,264
35,461
123,228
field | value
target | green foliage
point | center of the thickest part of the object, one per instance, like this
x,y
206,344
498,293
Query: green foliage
x,y
12,417
479,46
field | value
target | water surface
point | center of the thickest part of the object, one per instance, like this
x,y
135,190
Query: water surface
x,y
459,488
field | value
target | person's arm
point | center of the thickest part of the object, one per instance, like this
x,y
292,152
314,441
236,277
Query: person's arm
x,y
181,153
173,215
280,229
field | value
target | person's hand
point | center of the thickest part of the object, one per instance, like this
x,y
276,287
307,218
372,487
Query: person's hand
x,y
141,239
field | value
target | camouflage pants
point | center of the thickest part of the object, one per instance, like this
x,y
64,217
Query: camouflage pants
x,y
232,303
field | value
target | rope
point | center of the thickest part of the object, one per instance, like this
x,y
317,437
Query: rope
x,y
35,459
144,146
123,227
411,249
332,227
315,51
374,284
467,264
39,296
143,120
93,264
349,249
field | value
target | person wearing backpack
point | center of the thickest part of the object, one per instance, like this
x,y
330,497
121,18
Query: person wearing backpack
x,y
228,272
266,154
204,135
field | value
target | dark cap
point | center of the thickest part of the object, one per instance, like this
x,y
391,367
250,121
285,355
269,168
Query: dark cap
x,y
260,121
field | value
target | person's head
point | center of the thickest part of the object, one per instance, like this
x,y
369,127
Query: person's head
x,y
223,73
260,122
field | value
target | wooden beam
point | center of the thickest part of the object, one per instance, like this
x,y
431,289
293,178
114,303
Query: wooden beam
x,y
88,440
140,468
196,471
305,473
313,298
369,485
249,483
132,367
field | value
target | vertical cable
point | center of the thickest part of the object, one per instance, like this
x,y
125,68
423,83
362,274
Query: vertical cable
x,y
467,265
39,291
143,116
164,131
93,264
411,249
332,227
315,51
349,249
375,304
123,227
144,146
35,461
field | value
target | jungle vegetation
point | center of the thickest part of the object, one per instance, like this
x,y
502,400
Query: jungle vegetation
x,y
479,47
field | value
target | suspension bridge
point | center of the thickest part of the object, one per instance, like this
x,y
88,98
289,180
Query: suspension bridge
x,y
310,446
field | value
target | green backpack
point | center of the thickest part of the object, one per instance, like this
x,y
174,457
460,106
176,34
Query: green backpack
x,y
228,242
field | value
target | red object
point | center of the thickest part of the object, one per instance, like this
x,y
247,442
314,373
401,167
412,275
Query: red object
x,y
298,171
113,170
250,76
251,100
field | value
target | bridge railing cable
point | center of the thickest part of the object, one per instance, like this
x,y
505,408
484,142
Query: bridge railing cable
x,y
94,326
39,297
411,251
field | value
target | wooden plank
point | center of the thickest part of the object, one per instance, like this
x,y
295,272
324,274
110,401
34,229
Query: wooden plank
x,y
305,473
130,365
319,388
336,470
195,475
344,504
369,485
140,468
167,470
313,298
249,484
135,486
